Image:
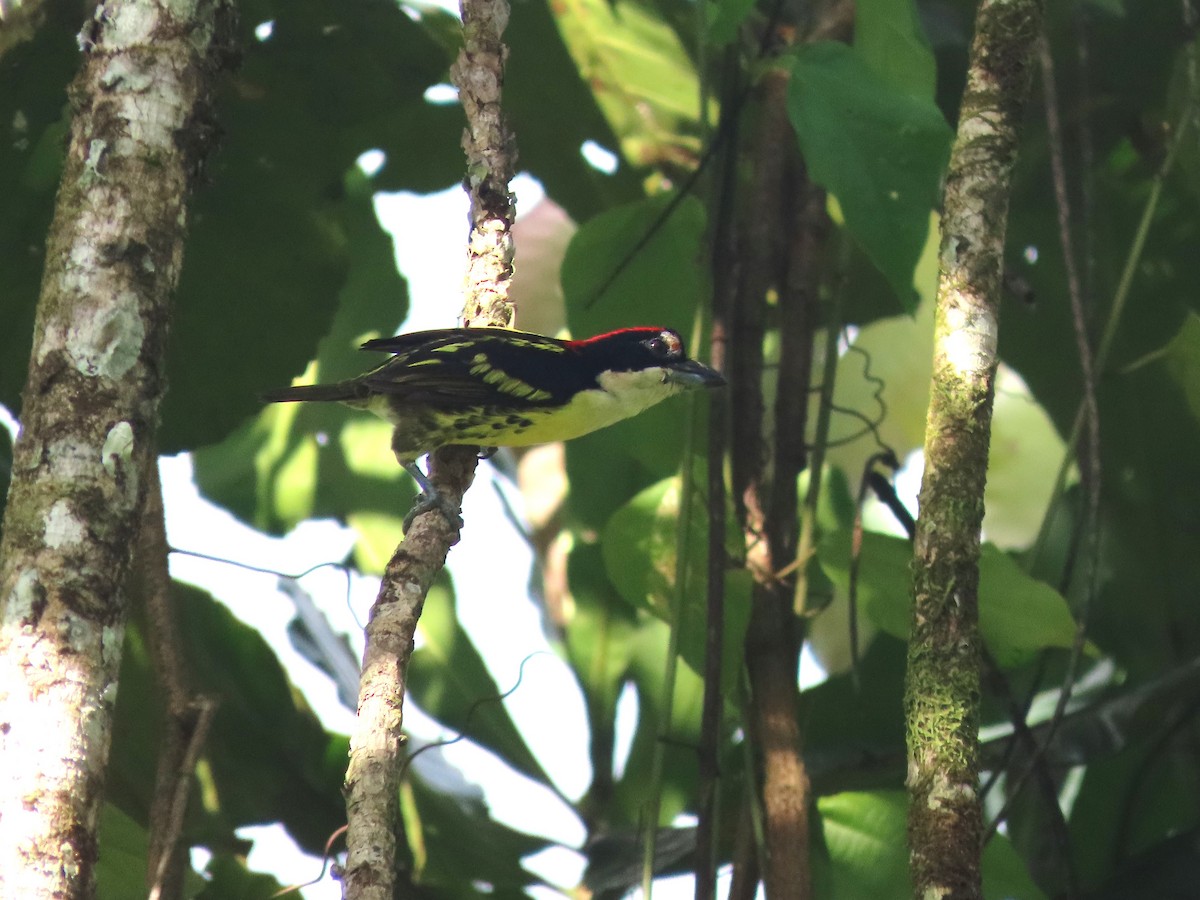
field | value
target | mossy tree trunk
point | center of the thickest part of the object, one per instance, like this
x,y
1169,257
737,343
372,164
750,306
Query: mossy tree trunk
x,y
942,691
139,134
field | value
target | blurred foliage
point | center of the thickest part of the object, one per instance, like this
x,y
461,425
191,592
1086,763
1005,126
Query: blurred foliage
x,y
287,271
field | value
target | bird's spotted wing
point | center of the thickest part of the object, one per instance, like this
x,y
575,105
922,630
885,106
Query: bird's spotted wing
x,y
466,367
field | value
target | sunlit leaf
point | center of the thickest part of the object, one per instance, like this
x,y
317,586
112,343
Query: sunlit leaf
x,y
890,39
121,871
1018,615
880,149
469,853
641,546
641,76
868,848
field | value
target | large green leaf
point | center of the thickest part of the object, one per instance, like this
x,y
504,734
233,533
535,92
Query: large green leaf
x,y
1149,573
1018,615
449,680
865,834
610,645
1142,49
229,879
266,759
680,778
641,76
878,148
465,848
637,264
274,235
723,18
295,461
269,757
866,750
121,871
641,546
611,279
553,112
597,645
279,232
889,38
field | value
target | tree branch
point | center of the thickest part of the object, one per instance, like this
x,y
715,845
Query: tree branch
x,y
942,690
772,636
376,756
138,137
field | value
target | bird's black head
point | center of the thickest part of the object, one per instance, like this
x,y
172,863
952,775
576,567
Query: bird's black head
x,y
640,349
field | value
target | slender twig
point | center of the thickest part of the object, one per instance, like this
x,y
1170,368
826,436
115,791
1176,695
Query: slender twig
x,y
1090,411
772,639
1133,259
723,255
670,668
1088,414
376,746
188,716
816,461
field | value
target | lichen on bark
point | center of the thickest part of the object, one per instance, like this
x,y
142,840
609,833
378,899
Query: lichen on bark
x,y
943,690
89,413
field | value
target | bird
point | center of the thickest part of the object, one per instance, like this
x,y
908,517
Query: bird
x,y
496,387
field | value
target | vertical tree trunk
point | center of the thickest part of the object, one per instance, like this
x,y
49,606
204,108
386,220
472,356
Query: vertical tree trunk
x,y
88,419
373,777
942,691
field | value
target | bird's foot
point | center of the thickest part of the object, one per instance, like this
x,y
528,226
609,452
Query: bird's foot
x,y
430,499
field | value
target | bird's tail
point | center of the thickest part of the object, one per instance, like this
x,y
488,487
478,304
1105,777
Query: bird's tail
x,y
342,392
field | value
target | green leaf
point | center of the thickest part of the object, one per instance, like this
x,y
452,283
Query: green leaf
x,y
889,38
33,108
658,283
642,77
124,846
450,681
229,879
724,18
466,847
865,834
610,645
641,546
280,230
296,461
1018,615
598,646
680,780
637,264
878,148
268,757
866,750
554,112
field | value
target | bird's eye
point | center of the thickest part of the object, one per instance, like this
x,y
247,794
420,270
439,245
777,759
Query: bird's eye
x,y
666,344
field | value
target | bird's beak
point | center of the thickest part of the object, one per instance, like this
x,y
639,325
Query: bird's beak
x,y
691,374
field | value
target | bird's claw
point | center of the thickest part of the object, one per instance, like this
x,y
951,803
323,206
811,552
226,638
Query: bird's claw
x,y
426,503
429,499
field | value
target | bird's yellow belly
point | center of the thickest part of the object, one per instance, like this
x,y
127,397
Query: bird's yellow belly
x,y
588,412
